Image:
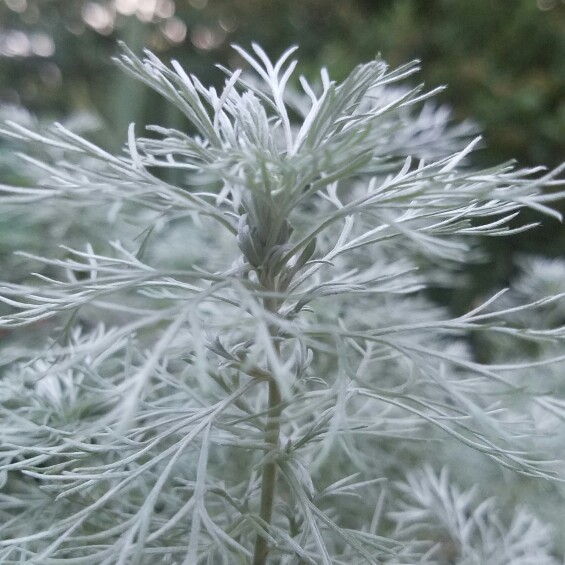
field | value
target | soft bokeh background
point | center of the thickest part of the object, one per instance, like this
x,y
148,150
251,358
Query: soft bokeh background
x,y
504,62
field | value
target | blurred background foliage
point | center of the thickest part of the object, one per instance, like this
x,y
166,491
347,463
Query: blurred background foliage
x,y
504,62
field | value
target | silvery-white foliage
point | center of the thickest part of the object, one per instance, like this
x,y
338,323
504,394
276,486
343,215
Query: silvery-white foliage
x,y
468,531
544,410
40,228
239,382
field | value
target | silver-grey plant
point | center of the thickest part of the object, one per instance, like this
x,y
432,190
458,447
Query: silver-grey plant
x,y
260,378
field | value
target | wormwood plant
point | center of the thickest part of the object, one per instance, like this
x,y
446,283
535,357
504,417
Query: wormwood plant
x,y
259,378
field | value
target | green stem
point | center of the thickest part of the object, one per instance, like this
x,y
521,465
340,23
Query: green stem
x,y
272,435
269,476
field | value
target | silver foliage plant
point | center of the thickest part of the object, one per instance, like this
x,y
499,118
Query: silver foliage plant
x,y
259,378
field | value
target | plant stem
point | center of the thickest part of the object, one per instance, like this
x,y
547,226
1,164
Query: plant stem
x,y
269,474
